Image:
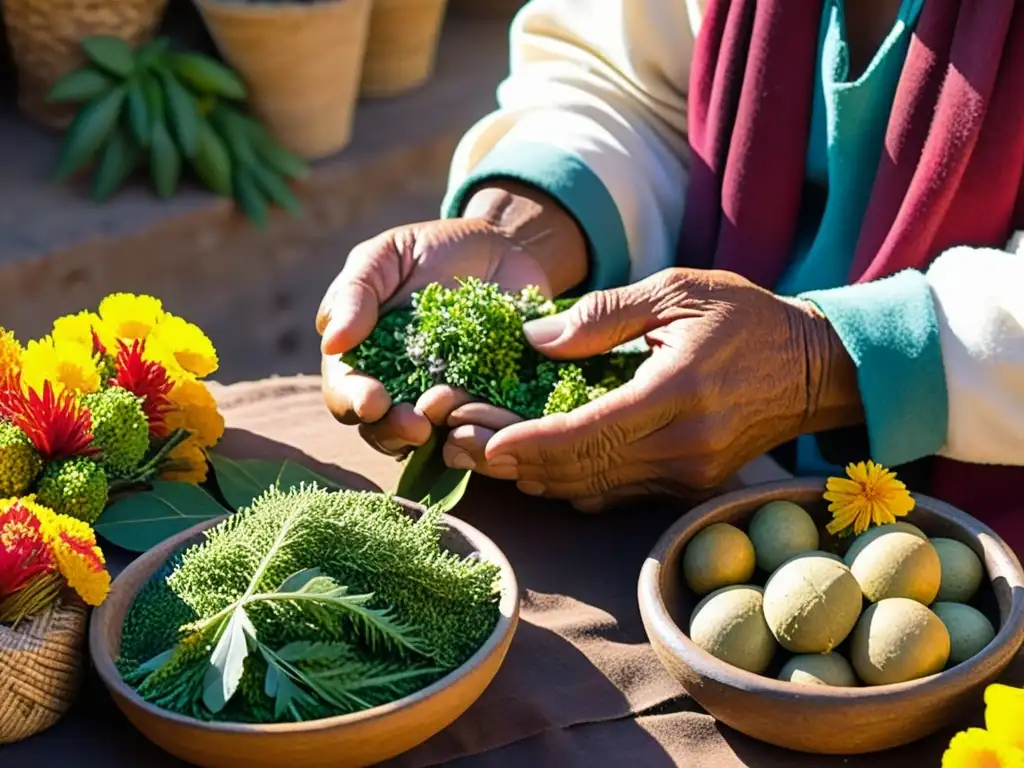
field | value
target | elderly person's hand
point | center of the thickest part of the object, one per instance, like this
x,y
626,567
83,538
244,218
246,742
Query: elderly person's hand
x,y
734,372
510,235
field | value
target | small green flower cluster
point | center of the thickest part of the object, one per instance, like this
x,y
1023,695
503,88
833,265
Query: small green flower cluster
x,y
471,337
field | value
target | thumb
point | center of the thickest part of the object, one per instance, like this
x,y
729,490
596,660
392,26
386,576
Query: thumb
x,y
351,307
600,321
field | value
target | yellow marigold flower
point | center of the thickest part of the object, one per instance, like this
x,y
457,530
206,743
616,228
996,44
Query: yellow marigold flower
x,y
190,347
129,316
1004,714
67,365
189,464
79,559
977,748
195,410
78,329
10,353
872,494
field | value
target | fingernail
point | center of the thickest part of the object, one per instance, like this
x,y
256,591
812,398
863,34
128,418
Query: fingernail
x,y
463,461
503,461
392,446
530,488
544,331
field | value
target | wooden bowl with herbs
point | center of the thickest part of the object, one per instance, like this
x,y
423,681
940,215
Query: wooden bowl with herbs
x,y
291,659
838,645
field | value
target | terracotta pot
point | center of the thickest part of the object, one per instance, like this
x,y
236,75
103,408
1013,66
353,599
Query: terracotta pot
x,y
815,719
44,37
361,739
41,663
402,48
301,62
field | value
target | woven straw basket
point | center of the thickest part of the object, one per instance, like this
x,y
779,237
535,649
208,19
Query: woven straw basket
x,y
301,62
41,665
44,37
400,54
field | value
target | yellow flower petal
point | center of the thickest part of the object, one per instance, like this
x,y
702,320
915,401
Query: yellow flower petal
x,y
10,353
870,495
78,329
189,464
1004,713
65,364
195,410
129,316
977,748
190,347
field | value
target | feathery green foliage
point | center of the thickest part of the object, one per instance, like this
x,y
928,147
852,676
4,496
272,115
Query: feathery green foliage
x,y
471,337
309,604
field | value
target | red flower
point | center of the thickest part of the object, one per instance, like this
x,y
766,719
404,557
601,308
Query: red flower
x,y
58,426
24,554
98,348
147,380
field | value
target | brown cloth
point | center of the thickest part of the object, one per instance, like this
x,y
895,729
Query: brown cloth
x,y
580,686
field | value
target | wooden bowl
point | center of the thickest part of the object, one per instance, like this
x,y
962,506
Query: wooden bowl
x,y
360,739
817,719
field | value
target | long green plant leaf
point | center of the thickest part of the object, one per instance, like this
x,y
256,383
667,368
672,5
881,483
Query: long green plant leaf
x,y
428,480
142,520
228,660
242,481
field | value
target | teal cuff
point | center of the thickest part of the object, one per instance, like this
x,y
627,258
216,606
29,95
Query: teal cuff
x,y
891,331
566,178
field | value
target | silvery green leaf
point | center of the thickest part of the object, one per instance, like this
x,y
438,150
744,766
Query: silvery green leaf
x,y
298,580
156,662
227,662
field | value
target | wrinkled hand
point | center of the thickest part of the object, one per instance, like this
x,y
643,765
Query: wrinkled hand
x,y
383,273
734,372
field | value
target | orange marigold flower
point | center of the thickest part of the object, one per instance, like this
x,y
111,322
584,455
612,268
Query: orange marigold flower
x,y
195,411
187,463
10,358
79,559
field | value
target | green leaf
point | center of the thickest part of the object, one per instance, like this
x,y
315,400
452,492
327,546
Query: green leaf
x,y
89,130
429,481
298,580
117,161
148,53
138,112
206,75
156,662
80,85
164,160
142,520
110,53
182,113
249,197
242,481
227,662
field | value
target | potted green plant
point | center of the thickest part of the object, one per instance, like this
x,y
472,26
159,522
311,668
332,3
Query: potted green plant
x,y
302,62
171,111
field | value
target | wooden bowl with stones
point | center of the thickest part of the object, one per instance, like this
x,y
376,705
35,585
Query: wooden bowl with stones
x,y
346,741
819,719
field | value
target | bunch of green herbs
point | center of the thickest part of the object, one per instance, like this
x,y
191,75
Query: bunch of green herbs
x,y
471,337
308,604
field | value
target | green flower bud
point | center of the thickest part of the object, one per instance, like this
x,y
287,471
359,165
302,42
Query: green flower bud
x,y
75,487
20,464
119,427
